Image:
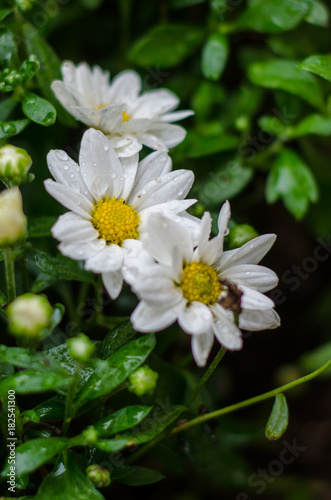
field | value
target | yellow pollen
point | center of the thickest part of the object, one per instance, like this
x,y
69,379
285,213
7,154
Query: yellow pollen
x,y
100,107
200,283
115,221
125,117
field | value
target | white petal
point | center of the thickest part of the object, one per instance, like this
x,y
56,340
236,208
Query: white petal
x,y
168,134
153,166
69,198
173,209
258,320
251,299
125,87
79,251
176,116
205,229
132,147
223,219
136,261
64,95
158,291
164,235
258,278
226,332
113,283
72,228
172,186
201,346
67,172
129,165
109,259
155,103
195,318
250,253
146,318
136,126
101,169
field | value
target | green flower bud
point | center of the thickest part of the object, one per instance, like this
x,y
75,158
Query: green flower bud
x,y
143,381
90,435
24,5
240,235
29,315
99,476
13,222
14,164
80,348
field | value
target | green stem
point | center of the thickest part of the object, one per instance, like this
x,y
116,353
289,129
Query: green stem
x,y
250,401
210,370
24,270
10,273
70,409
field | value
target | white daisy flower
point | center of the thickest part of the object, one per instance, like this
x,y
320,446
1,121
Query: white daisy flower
x,y
202,287
110,201
129,119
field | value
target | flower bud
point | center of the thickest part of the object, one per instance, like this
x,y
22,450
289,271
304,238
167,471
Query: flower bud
x,y
99,476
14,164
90,435
13,222
80,348
29,315
143,381
241,234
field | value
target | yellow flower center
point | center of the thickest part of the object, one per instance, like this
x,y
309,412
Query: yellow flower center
x,y
125,117
115,221
200,283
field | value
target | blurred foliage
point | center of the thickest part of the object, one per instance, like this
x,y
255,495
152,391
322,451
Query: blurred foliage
x,y
257,74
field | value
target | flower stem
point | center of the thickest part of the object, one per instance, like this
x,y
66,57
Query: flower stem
x,y
210,370
10,273
69,412
250,401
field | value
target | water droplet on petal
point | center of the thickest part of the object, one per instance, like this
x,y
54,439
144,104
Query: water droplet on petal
x,y
106,147
113,175
99,184
62,155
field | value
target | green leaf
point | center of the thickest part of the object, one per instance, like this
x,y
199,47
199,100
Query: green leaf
x,y
52,408
312,124
9,129
4,13
38,109
30,381
291,180
214,56
115,370
8,49
166,45
319,65
273,126
285,75
318,14
61,267
273,16
67,482
312,360
116,338
34,453
224,183
197,145
113,445
165,417
61,354
24,358
122,420
6,108
40,227
29,68
278,420
139,476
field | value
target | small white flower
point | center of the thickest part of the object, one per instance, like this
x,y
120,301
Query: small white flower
x,y
110,202
203,287
29,314
14,163
127,118
13,222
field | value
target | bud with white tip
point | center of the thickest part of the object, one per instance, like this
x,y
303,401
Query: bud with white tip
x,y
13,222
14,164
143,381
80,348
29,315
